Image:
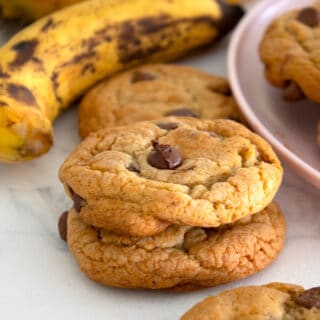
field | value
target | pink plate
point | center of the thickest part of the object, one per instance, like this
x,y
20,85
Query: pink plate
x,y
291,128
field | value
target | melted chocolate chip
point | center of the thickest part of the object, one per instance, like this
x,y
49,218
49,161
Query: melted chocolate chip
x,y
133,168
142,76
309,16
164,156
168,125
309,298
182,113
78,202
62,225
292,92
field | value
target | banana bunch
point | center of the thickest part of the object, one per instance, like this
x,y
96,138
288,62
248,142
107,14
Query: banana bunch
x,y
31,9
48,65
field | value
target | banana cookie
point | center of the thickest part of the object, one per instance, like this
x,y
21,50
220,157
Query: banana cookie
x,y
277,301
139,179
152,92
181,257
289,50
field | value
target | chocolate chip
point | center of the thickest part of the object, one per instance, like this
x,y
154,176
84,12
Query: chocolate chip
x,y
292,92
78,202
182,113
164,156
309,16
309,298
168,125
142,76
62,225
133,168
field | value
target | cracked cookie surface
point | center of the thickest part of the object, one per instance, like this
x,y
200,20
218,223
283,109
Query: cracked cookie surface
x,y
224,172
290,52
151,92
181,257
276,301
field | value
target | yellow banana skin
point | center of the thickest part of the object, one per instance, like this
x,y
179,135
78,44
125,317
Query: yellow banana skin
x,y
31,9
46,66
35,9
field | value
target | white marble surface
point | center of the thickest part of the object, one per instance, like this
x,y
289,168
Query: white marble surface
x,y
39,278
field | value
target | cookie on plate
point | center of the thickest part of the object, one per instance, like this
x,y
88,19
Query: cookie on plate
x,y
278,301
154,91
181,257
139,179
289,51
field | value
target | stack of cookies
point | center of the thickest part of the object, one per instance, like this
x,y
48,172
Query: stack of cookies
x,y
174,202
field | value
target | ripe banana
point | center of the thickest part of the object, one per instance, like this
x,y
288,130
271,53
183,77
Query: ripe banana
x,y
46,66
31,9
35,9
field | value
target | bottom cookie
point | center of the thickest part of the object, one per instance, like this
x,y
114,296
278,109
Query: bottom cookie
x,y
180,257
277,301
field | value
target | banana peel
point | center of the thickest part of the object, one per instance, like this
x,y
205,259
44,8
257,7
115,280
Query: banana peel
x,y
49,64
31,9
35,9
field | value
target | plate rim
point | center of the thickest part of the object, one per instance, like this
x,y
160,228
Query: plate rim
x,y
303,168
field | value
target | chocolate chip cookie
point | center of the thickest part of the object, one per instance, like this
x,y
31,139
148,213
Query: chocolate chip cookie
x,y
277,301
139,179
154,91
289,51
181,257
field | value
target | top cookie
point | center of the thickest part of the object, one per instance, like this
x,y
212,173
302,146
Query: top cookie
x,y
278,301
289,50
179,170
152,92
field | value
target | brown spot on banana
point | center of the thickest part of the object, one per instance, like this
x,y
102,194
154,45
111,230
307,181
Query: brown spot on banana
x,y
49,24
24,52
21,94
55,84
156,28
79,57
3,104
151,25
89,67
4,75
